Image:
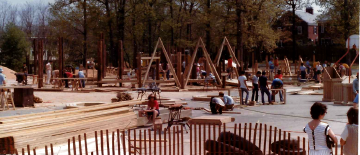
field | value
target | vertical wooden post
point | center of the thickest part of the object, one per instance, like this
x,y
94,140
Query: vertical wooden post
x,y
139,69
40,55
103,52
120,61
178,66
158,69
100,59
61,59
35,55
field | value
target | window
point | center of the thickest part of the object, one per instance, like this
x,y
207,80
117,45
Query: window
x,y
315,29
299,29
322,28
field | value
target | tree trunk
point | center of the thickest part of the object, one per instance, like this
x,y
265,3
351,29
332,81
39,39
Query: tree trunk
x,y
134,39
347,29
85,36
113,54
239,34
208,27
172,22
121,20
293,32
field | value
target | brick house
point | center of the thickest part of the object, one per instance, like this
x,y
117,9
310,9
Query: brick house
x,y
306,27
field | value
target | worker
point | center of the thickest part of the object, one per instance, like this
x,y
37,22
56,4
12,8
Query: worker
x,y
277,84
210,79
303,71
319,70
216,105
48,73
2,78
307,64
264,88
67,75
229,67
243,87
25,71
356,84
152,109
255,82
82,75
55,74
278,75
271,65
276,64
228,101
325,64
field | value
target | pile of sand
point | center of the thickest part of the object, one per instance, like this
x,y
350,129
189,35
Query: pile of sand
x,y
10,74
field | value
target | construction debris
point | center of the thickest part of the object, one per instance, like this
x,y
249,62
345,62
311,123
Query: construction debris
x,y
37,99
123,96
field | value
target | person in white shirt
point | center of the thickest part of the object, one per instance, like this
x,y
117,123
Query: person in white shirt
x,y
255,82
349,137
319,69
243,87
48,73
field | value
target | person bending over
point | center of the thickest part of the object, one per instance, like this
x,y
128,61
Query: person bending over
x,y
228,100
277,84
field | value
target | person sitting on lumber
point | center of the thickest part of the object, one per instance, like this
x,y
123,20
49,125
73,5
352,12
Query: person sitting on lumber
x,y
277,84
228,100
216,104
152,109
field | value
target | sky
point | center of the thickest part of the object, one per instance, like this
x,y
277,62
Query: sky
x,y
20,2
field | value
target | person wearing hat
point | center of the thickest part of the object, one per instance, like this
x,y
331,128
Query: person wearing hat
x,y
228,100
2,78
356,84
229,67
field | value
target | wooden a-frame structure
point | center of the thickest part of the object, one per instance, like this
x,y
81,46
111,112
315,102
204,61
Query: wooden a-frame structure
x,y
226,43
209,63
160,44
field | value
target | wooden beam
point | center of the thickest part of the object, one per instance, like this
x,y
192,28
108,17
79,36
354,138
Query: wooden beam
x,y
100,63
149,58
139,69
120,61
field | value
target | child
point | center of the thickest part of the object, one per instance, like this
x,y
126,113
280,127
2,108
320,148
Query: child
x,y
349,137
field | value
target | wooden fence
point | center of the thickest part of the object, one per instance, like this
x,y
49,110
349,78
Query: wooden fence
x,y
207,139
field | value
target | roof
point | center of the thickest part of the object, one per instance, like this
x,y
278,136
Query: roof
x,y
307,17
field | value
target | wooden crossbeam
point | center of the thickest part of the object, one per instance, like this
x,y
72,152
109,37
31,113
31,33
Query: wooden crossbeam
x,y
226,43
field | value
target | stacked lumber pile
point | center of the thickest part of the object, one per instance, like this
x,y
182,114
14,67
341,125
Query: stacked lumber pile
x,y
40,129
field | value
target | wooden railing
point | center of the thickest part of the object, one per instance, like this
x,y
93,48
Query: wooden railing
x,y
242,138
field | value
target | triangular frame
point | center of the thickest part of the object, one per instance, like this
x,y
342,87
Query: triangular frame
x,y
160,44
217,58
209,63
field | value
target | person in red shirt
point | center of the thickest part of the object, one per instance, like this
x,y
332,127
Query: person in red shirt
x,y
278,75
152,108
230,67
276,64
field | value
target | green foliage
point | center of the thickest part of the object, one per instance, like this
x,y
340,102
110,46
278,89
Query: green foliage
x,y
342,17
14,47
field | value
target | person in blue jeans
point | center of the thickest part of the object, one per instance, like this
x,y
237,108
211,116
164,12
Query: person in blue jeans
x,y
264,88
82,75
277,84
243,87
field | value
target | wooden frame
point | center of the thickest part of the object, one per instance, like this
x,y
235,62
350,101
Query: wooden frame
x,y
160,44
226,42
209,63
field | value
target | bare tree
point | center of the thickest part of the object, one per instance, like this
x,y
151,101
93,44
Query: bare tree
x,y
3,14
27,16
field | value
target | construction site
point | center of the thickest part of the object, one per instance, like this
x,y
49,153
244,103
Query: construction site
x,y
108,115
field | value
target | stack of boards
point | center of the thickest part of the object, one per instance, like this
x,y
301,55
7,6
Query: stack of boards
x,y
56,127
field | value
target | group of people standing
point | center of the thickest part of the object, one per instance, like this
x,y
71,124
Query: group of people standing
x,y
259,81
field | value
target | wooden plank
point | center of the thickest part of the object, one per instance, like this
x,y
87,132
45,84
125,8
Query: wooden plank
x,y
149,58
